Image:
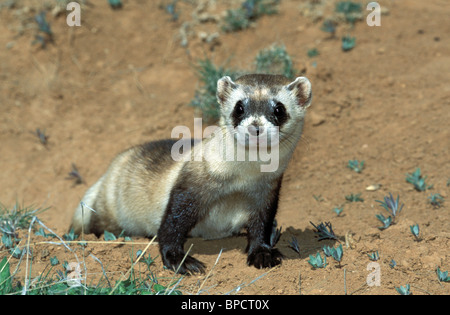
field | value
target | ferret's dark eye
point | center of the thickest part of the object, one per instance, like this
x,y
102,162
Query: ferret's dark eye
x,y
279,110
239,108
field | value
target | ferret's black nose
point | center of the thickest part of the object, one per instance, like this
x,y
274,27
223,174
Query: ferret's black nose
x,y
255,130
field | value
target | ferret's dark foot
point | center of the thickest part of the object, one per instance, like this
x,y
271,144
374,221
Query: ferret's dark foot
x,y
264,257
190,265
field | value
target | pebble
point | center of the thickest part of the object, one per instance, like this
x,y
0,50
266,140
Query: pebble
x,y
316,119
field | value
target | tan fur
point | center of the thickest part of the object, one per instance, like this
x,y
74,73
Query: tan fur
x,y
126,198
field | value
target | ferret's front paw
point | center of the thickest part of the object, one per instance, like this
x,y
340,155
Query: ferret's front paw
x,y
264,257
190,265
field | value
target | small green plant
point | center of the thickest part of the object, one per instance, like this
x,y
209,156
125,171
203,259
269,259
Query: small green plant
x,y
71,236
205,97
41,232
313,52
354,198
19,217
415,231
241,18
442,275
115,4
348,43
393,264
8,241
317,261
327,250
318,198
352,11
436,200
293,243
43,138
404,290
391,205
17,252
338,210
257,8
329,26
324,231
386,221
45,34
125,237
275,60
75,176
171,9
235,20
336,253
355,165
6,286
418,180
108,236
148,261
374,256
54,261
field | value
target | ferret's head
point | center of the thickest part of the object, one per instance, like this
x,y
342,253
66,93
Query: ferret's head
x,y
261,108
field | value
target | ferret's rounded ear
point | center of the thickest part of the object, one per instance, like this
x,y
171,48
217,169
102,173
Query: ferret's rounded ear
x,y
301,87
224,87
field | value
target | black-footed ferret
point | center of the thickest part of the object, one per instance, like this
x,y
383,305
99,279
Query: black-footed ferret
x,y
219,189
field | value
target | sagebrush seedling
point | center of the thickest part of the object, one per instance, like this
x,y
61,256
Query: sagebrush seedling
x,y
241,18
327,250
393,264
275,60
329,26
417,180
355,165
313,52
374,256
442,275
436,200
115,4
293,243
386,221
205,97
404,290
354,198
325,231
338,210
42,136
317,261
108,236
415,231
336,253
348,43
54,261
352,11
41,232
75,175
391,205
44,29
71,236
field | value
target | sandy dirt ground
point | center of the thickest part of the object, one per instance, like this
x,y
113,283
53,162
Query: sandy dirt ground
x,y
123,78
